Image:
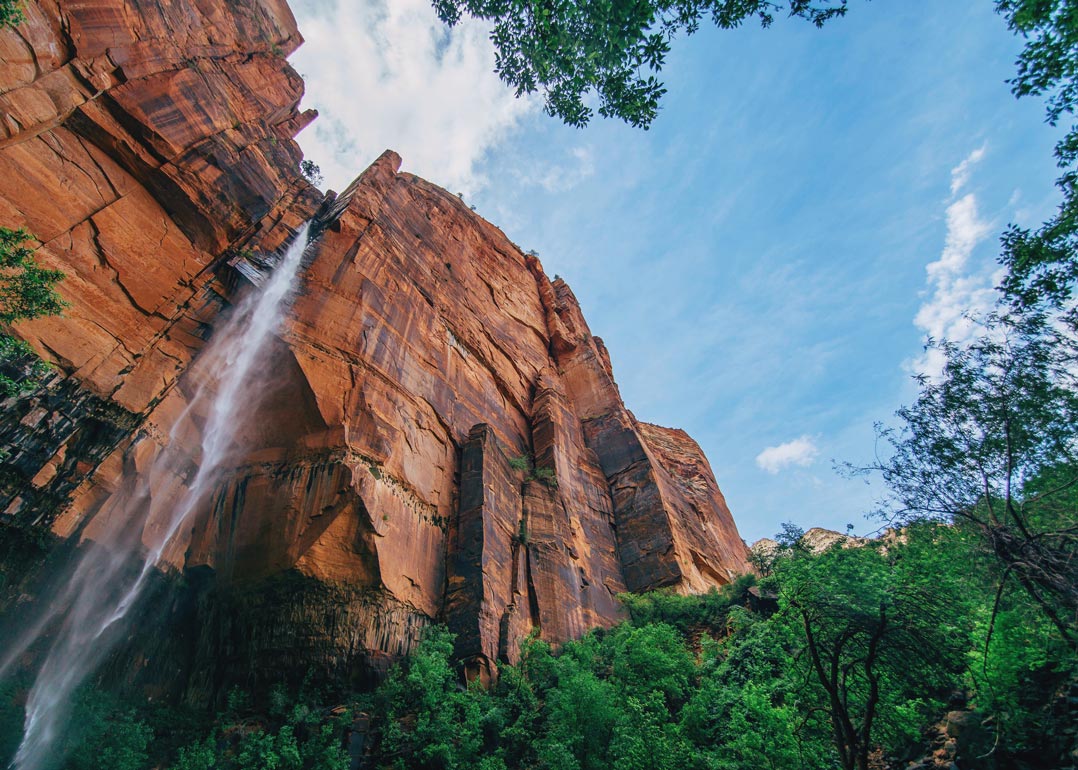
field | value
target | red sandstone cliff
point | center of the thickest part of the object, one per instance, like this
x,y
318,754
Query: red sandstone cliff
x,y
442,437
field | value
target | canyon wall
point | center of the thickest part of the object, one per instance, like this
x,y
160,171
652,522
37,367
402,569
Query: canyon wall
x,y
439,435
138,143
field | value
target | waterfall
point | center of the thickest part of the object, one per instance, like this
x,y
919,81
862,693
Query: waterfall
x,y
100,591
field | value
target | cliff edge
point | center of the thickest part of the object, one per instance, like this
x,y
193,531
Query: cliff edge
x,y
441,438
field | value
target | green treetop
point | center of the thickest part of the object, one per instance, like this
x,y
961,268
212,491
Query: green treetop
x,y
569,50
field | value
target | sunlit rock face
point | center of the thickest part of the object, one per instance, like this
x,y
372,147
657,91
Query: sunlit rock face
x,y
139,141
439,436
470,454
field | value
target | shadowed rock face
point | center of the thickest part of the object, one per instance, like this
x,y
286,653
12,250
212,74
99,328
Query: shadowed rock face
x,y
441,437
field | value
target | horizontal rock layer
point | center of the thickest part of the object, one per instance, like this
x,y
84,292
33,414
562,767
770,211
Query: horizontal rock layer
x,y
439,435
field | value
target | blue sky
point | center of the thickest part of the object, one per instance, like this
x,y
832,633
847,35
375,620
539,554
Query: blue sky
x,y
765,262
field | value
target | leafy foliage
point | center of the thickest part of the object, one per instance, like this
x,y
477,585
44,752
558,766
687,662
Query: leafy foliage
x,y
311,172
614,50
884,633
870,640
114,740
428,717
1041,263
293,735
533,472
20,367
104,733
704,682
11,14
1019,658
27,291
688,614
992,443
107,733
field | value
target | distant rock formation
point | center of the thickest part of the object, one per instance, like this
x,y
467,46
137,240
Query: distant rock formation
x,y
442,439
817,540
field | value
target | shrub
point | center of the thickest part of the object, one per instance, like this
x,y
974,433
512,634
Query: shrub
x,y
11,14
27,291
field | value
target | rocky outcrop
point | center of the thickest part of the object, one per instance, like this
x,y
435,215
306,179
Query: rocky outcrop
x,y
817,540
487,470
139,142
439,436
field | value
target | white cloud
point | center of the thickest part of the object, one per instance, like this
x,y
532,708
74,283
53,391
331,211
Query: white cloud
x,y
956,289
558,178
960,173
391,75
801,452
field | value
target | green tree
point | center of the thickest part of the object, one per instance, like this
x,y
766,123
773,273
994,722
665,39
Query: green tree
x,y
27,291
426,719
201,755
882,632
992,443
652,659
582,714
1018,667
293,735
569,50
645,738
1042,264
748,709
311,172
265,751
688,614
105,735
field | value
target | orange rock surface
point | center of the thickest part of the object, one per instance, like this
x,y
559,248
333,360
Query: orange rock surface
x,y
440,436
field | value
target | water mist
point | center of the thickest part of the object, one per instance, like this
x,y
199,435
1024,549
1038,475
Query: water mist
x,y
88,610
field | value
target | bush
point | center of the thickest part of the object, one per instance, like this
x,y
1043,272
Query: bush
x,y
11,14
27,291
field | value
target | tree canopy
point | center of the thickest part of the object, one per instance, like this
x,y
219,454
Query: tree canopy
x,y
1041,262
569,51
863,650
992,441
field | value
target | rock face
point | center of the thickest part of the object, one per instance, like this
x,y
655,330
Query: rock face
x,y
440,436
138,142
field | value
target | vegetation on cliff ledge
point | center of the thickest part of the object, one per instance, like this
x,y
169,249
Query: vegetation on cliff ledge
x,y
27,291
10,13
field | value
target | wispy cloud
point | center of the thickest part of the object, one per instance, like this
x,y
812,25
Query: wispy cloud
x,y
800,452
559,177
958,292
390,75
960,173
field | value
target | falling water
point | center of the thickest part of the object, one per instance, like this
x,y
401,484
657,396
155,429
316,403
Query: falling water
x,y
102,588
